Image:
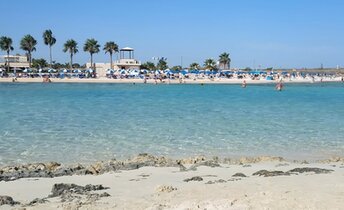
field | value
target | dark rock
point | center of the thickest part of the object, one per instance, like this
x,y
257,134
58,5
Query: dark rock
x,y
7,200
266,173
209,163
38,201
105,194
60,189
234,179
239,175
307,170
63,171
195,178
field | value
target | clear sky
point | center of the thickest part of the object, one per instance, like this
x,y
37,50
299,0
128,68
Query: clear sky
x,y
270,33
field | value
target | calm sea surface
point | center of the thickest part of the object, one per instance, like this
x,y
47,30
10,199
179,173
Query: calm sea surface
x,y
88,122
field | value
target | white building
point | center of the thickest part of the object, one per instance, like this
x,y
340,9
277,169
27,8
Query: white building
x,y
126,61
15,61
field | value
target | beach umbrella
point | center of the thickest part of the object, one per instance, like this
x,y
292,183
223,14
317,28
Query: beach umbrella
x,y
184,72
134,73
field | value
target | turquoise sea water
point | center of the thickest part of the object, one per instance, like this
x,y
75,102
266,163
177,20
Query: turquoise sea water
x,y
88,122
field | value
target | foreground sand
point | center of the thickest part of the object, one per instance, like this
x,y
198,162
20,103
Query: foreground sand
x,y
165,188
176,81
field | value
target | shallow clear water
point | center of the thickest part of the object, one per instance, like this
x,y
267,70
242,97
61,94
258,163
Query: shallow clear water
x,y
89,122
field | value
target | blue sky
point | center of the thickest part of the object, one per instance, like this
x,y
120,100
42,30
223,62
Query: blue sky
x,y
269,33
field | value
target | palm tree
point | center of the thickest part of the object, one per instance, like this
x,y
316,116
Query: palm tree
x,y
28,44
72,47
148,65
210,64
91,46
110,47
6,45
225,60
194,66
49,40
162,64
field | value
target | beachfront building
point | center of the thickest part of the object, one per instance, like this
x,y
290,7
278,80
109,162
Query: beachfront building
x,y
15,61
126,61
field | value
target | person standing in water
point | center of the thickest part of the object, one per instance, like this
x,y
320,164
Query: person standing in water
x,y
243,84
279,86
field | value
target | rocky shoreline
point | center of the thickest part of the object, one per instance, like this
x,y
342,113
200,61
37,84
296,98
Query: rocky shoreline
x,y
171,183
54,169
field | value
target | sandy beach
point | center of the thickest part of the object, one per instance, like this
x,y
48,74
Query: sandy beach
x,y
166,81
258,183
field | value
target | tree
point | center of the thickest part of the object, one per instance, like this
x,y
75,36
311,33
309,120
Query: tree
x,y
91,46
210,64
39,63
110,47
72,47
57,65
49,40
195,66
148,65
162,64
177,68
225,60
28,44
6,45
76,65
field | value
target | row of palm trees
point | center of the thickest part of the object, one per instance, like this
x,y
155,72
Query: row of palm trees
x,y
210,64
28,44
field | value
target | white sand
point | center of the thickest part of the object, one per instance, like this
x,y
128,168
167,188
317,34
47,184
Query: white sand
x,y
133,190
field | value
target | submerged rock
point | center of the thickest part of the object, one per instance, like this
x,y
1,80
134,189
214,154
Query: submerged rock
x,y
7,200
267,173
195,178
